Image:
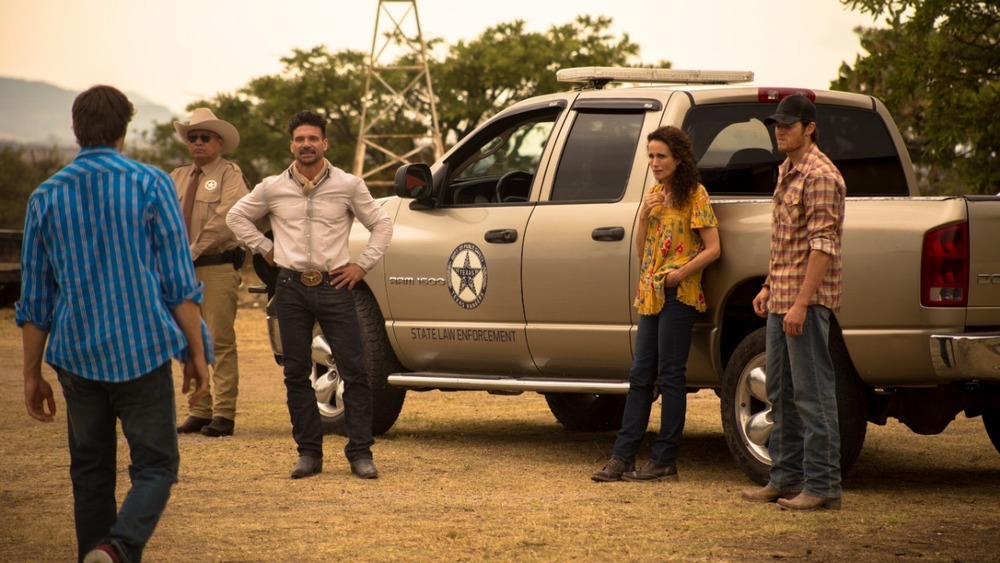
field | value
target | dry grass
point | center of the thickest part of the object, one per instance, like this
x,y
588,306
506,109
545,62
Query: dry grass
x,y
471,477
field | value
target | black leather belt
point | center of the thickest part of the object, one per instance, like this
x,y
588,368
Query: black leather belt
x,y
308,278
234,256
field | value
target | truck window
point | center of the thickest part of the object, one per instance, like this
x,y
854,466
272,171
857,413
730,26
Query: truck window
x,y
737,153
499,164
598,156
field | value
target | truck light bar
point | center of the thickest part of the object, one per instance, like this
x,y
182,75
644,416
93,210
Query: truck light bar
x,y
598,76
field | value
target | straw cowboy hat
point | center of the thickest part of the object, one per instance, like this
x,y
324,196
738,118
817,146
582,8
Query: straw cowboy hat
x,y
202,119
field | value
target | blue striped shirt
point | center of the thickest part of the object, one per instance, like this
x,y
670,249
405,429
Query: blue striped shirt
x,y
105,258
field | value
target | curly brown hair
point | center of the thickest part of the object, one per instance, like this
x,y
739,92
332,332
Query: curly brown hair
x,y
686,178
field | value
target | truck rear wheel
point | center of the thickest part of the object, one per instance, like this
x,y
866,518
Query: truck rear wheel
x,y
587,412
746,413
380,362
991,420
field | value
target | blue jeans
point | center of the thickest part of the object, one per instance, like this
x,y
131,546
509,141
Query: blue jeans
x,y
299,308
145,407
802,389
662,343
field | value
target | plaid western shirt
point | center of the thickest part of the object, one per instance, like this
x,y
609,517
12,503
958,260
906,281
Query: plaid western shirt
x,y
808,215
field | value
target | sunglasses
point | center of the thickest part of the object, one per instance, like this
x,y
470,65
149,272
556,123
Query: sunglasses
x,y
205,137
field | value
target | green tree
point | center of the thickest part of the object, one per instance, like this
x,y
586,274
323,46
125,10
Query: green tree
x,y
314,79
476,79
937,68
506,63
22,169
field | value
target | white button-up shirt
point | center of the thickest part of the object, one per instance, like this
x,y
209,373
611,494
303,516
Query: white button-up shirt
x,y
311,232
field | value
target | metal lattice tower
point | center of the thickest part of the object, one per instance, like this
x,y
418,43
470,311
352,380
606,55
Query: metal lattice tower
x,y
382,100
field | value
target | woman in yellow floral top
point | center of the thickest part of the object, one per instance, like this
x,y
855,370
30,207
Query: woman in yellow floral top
x,y
676,238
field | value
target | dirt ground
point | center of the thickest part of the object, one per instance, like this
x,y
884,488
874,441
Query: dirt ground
x,y
473,477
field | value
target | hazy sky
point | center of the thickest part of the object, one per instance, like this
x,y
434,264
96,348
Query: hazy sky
x,y
176,51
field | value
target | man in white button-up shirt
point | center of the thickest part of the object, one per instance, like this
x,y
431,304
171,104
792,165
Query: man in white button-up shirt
x,y
312,206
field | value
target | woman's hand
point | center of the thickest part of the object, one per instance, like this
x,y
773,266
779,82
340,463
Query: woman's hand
x,y
651,201
673,278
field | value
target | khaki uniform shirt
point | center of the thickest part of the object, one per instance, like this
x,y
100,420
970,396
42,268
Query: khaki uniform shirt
x,y
221,185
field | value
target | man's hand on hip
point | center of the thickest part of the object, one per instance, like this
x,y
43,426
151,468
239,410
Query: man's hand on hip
x,y
347,275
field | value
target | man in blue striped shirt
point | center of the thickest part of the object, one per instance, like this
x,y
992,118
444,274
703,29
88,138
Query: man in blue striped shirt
x,y
107,280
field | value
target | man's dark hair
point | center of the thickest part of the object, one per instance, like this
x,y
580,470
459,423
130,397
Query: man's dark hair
x,y
101,116
306,117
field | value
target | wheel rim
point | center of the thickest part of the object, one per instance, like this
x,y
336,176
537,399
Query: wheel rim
x,y
326,380
753,411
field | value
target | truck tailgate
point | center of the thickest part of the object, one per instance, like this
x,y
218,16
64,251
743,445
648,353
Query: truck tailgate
x,y
984,261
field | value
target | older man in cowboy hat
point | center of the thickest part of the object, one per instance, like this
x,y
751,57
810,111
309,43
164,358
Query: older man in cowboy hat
x,y
207,188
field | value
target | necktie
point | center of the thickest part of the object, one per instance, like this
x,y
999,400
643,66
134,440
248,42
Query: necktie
x,y
189,196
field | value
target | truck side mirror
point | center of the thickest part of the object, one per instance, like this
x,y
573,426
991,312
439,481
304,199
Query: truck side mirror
x,y
414,181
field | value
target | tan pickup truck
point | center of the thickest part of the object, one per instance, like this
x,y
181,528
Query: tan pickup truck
x,y
511,266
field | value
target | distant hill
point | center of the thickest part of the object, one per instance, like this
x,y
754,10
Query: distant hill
x,y
39,113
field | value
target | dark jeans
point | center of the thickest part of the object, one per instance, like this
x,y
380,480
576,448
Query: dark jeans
x,y
145,407
662,343
802,388
299,308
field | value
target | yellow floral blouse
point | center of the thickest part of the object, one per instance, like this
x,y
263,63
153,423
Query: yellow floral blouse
x,y
672,240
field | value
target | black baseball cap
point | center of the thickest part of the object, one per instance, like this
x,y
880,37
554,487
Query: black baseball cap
x,y
792,109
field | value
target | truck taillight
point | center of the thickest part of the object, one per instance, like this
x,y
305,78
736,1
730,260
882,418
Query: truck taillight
x,y
777,94
944,267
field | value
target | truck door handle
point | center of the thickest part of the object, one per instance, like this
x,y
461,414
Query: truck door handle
x,y
608,234
502,236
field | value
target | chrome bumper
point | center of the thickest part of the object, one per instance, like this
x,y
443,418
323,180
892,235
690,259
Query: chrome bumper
x,y
958,357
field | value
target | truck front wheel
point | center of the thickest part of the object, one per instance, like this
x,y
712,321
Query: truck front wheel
x,y
991,420
746,413
587,412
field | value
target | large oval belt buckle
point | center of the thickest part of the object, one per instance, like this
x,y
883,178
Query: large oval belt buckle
x,y
311,278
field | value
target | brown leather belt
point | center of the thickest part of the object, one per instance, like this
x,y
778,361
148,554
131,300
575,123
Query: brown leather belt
x,y
308,278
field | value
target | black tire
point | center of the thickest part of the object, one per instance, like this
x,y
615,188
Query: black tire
x,y
587,412
746,413
9,293
380,362
991,420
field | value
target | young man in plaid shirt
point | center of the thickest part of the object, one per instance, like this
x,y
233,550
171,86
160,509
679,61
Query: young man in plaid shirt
x,y
800,294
